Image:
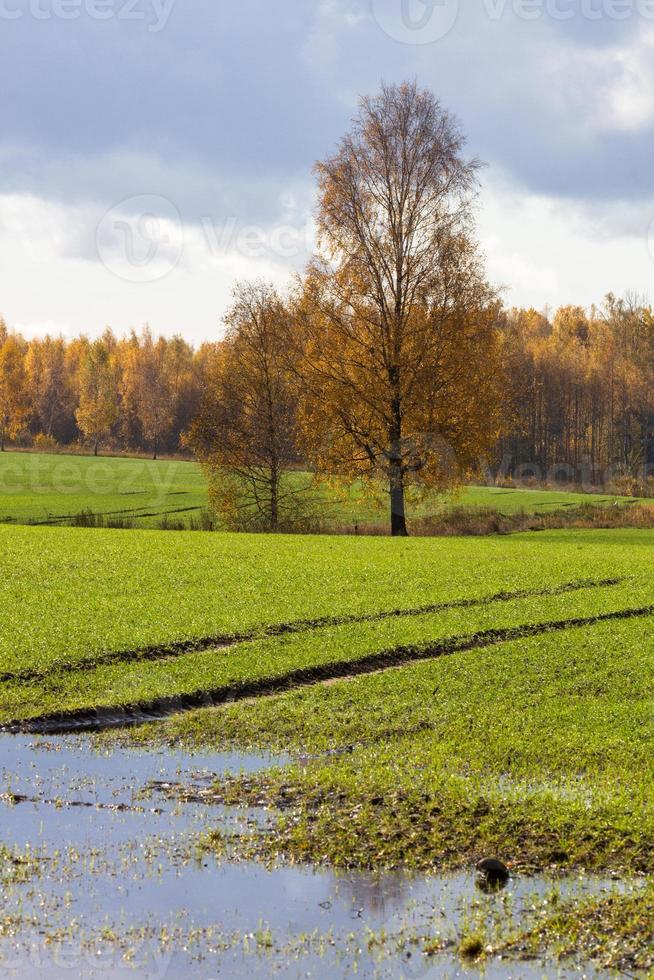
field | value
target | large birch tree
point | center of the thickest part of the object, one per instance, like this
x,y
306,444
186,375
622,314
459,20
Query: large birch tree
x,y
397,322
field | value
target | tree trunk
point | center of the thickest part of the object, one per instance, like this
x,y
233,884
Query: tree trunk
x,y
398,515
95,448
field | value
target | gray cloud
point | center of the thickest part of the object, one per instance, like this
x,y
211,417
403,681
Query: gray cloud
x,y
224,109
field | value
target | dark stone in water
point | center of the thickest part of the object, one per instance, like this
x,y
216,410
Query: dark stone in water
x,y
492,873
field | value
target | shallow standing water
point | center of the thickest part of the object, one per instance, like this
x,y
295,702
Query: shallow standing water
x,y
122,890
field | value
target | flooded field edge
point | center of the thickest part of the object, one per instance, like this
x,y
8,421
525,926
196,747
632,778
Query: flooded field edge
x,y
120,885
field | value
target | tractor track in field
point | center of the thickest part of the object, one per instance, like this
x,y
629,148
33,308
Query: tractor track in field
x,y
160,708
135,514
179,648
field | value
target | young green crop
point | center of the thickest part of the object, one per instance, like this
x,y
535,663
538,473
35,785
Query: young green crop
x,y
535,747
530,737
251,667
71,595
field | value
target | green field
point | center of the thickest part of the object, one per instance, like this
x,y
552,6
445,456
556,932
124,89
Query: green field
x,y
450,697
509,500
518,717
72,594
81,609
56,489
52,489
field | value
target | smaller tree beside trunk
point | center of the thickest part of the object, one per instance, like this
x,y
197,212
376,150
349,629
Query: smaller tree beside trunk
x,y
245,432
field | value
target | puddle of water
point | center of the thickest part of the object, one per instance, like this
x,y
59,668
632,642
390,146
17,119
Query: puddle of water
x,y
125,865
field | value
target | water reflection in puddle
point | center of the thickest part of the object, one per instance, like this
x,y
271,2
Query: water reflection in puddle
x,y
122,863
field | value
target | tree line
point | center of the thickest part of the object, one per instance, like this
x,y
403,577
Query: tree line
x,y
580,403
138,393
392,361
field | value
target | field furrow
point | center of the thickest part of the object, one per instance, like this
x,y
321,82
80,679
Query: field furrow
x,y
128,692
167,651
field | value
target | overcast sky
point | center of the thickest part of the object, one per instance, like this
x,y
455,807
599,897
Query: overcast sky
x,y
152,152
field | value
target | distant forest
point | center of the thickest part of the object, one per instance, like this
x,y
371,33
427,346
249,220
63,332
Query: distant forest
x,y
580,393
579,402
